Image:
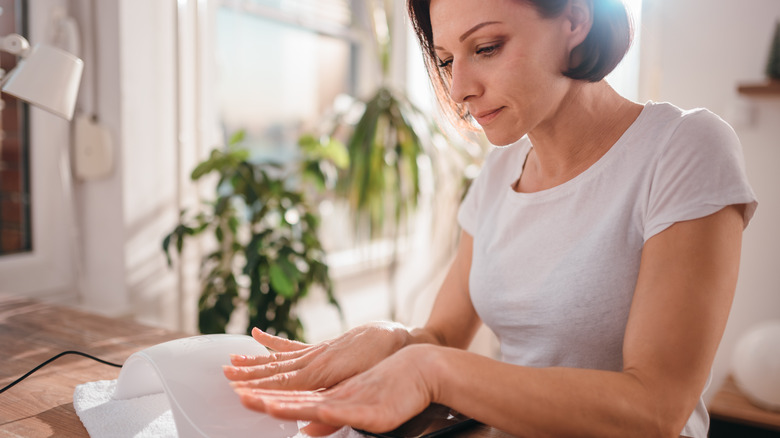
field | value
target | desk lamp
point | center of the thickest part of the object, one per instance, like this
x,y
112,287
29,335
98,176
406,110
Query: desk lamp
x,y
46,76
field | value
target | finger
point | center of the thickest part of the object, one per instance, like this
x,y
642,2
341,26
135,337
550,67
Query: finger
x,y
245,360
266,370
285,406
296,374
251,401
282,394
321,408
291,381
238,374
326,412
279,402
294,410
276,343
242,360
287,399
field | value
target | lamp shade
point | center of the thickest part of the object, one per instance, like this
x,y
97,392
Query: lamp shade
x,y
756,365
47,77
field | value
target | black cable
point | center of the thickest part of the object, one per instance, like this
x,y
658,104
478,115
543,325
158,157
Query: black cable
x,y
52,360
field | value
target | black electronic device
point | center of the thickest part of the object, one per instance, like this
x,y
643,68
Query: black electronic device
x,y
436,420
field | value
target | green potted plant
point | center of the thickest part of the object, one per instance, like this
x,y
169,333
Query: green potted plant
x,y
268,255
391,144
773,63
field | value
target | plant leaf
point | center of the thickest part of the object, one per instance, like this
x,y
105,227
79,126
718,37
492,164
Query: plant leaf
x,y
281,282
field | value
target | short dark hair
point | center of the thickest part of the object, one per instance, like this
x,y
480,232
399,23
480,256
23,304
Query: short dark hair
x,y
602,50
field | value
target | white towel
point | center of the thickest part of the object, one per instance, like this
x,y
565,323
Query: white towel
x,y
143,417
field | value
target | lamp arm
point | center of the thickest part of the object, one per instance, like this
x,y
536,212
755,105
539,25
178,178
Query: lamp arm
x,y
15,44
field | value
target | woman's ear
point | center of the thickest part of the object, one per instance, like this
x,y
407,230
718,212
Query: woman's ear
x,y
579,19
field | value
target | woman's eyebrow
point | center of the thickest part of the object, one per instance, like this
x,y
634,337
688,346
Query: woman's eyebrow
x,y
476,28
470,31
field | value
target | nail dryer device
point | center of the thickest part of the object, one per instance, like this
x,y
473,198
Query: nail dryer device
x,y
189,372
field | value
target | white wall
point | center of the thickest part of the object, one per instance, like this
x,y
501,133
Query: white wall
x,y
129,85
149,153
101,285
696,53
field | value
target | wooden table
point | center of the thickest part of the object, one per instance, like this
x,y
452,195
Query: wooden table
x,y
731,411
42,405
30,333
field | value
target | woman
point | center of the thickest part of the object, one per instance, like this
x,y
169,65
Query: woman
x,y
602,247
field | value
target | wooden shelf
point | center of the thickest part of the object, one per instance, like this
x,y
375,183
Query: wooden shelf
x,y
730,405
768,88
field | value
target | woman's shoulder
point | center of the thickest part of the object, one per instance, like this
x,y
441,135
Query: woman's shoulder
x,y
674,129
696,167
674,118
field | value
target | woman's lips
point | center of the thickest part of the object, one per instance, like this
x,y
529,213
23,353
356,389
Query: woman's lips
x,y
487,116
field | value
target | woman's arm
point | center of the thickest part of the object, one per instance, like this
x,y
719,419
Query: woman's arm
x,y
453,322
683,295
299,366
681,304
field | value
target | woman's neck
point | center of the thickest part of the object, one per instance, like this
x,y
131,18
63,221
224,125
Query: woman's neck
x,y
589,120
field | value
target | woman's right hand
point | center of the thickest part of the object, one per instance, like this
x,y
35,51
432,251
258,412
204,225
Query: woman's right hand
x,y
297,366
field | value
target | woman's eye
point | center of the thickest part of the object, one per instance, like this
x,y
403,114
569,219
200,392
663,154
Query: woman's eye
x,y
489,50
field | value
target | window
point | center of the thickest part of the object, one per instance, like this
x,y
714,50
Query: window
x,y
280,66
15,233
35,210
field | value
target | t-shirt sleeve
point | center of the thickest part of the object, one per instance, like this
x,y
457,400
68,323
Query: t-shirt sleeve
x,y
701,170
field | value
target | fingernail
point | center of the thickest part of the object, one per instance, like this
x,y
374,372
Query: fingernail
x,y
249,399
238,357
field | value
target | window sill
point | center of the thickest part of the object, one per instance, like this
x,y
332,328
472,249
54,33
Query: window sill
x,y
377,254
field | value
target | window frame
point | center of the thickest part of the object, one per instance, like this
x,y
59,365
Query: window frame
x,y
48,268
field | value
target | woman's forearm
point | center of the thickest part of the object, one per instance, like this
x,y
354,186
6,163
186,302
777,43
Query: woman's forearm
x,y
550,401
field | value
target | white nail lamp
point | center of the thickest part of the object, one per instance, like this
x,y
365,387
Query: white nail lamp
x,y
45,76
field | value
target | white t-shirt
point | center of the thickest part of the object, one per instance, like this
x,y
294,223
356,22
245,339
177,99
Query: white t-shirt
x,y
553,272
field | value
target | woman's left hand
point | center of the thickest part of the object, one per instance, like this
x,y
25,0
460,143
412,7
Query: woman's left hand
x,y
378,400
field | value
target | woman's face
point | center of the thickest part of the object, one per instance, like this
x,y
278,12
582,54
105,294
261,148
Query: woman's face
x,y
505,61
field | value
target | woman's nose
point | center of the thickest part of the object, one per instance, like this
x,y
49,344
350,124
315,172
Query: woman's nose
x,y
464,83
